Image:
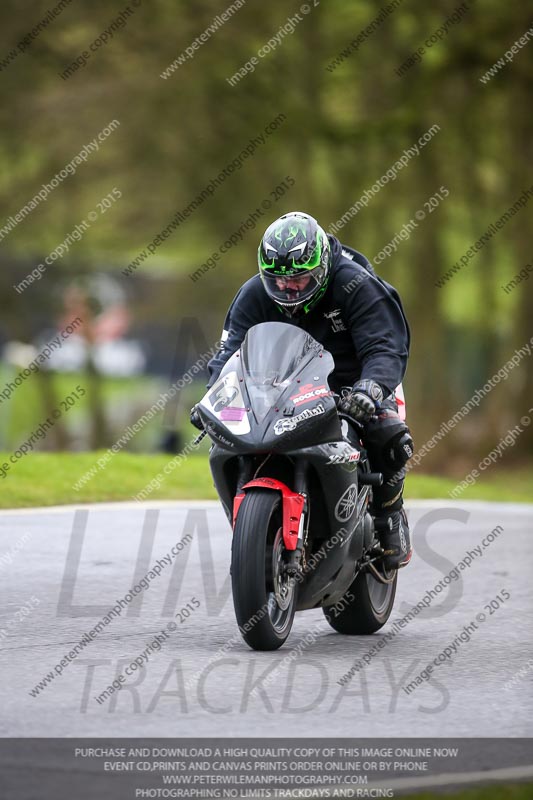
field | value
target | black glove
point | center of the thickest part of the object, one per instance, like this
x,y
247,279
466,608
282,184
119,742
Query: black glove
x,y
196,419
361,403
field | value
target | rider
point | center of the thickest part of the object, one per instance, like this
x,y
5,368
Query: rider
x,y
308,279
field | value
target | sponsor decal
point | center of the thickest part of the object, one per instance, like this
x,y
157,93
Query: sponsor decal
x,y
226,402
285,425
347,457
334,317
346,504
232,414
223,395
309,392
218,436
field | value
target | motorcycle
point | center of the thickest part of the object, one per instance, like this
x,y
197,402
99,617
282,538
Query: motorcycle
x,y
295,483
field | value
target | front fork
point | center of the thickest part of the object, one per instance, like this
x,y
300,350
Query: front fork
x,y
295,508
293,558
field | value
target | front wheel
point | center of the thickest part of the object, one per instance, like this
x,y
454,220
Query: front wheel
x,y
366,606
264,596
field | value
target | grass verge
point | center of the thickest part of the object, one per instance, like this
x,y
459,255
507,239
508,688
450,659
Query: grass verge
x,y
44,479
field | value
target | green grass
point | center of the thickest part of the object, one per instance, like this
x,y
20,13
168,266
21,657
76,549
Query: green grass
x,y
519,791
123,400
25,409
511,485
47,479
44,479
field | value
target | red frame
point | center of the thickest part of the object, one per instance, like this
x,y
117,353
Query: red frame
x,y
293,504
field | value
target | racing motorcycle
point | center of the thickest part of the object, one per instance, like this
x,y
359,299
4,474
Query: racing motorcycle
x,y
295,483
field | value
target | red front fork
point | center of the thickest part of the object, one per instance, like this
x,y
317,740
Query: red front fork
x,y
293,505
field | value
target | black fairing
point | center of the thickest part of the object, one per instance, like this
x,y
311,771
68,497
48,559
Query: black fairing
x,y
270,410
261,386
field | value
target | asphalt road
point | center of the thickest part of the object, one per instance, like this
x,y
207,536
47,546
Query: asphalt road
x,y
68,568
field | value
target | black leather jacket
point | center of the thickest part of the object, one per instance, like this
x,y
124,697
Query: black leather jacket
x,y
359,319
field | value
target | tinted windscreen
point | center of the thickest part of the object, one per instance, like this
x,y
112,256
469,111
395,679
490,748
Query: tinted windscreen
x,y
272,353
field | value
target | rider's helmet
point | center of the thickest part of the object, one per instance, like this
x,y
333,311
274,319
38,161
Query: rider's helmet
x,y
295,262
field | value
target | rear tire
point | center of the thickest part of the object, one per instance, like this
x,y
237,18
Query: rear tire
x,y
263,597
370,608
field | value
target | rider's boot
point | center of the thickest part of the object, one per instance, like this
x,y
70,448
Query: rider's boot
x,y
391,523
393,535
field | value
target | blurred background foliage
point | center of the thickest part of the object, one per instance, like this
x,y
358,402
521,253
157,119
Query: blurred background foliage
x,y
344,129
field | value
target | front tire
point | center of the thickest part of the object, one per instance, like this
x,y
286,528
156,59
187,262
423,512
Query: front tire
x,y
370,607
264,597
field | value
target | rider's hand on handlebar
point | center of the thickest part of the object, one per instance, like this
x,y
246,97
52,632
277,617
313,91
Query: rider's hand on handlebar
x,y
363,401
196,419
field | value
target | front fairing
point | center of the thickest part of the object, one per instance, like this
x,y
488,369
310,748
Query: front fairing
x,y
273,394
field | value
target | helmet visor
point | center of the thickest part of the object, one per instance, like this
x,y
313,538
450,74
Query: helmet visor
x,y
295,289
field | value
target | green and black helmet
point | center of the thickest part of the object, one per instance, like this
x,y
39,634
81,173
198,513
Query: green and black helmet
x,y
294,262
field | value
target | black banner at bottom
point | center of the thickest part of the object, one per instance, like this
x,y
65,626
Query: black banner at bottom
x,y
127,769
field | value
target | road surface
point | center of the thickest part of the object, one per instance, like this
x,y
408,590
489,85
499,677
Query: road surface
x,y
67,568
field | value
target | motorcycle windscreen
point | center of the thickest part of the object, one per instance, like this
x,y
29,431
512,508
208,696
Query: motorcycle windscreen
x,y
272,355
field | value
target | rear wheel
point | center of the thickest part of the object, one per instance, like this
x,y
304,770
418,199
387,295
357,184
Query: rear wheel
x,y
370,606
264,596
